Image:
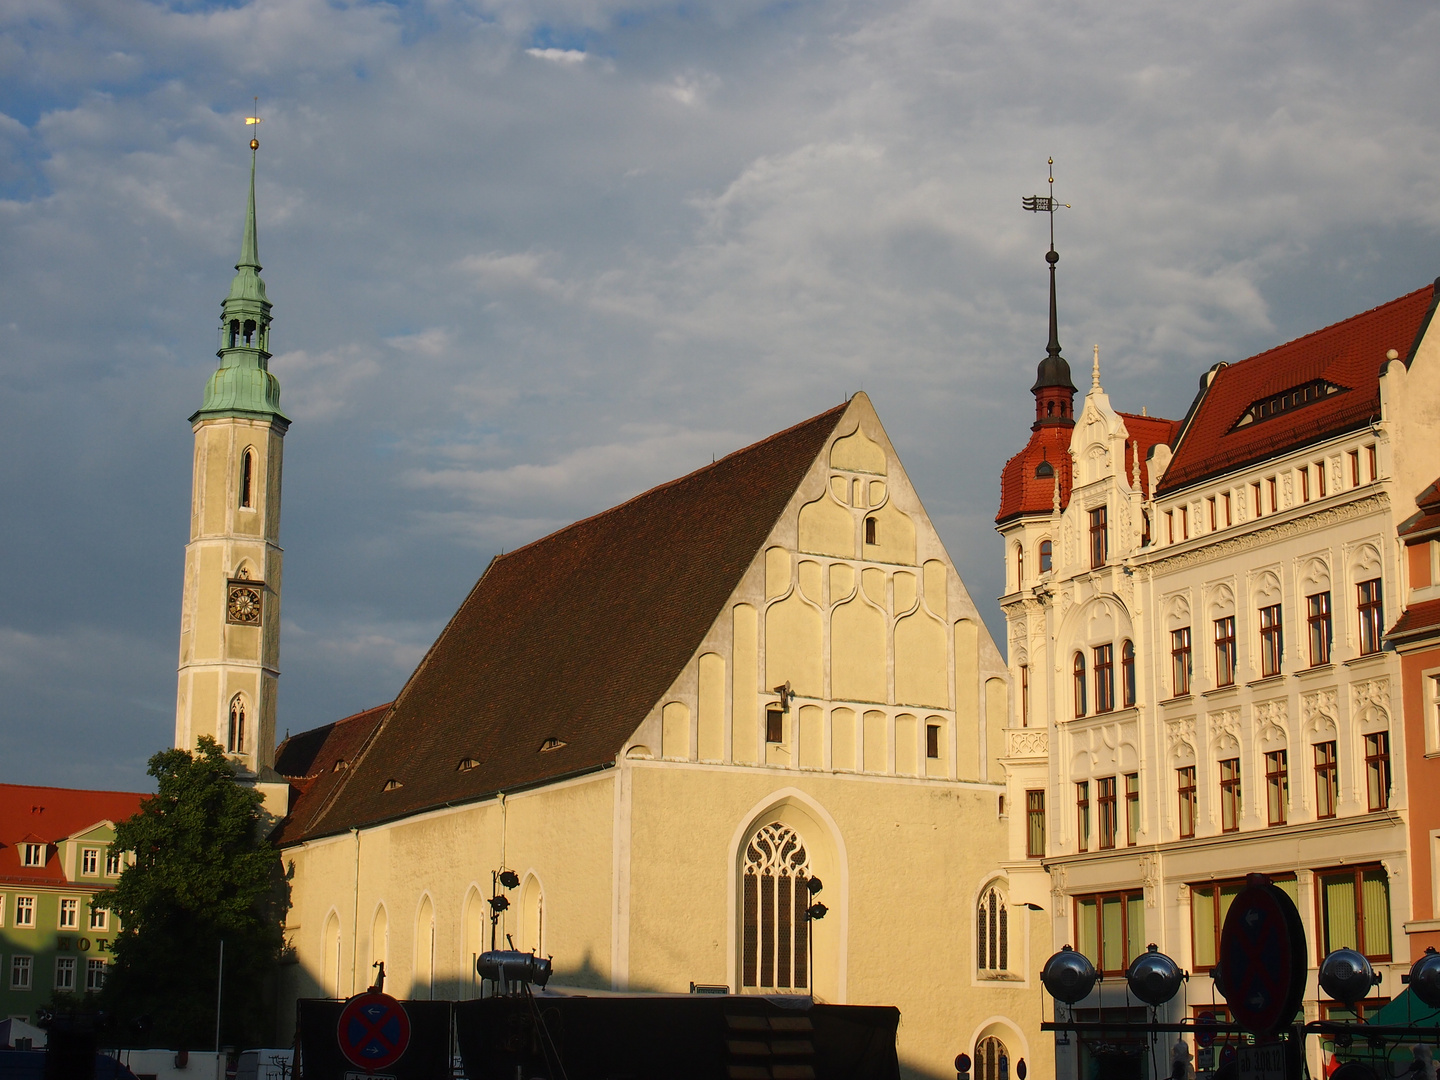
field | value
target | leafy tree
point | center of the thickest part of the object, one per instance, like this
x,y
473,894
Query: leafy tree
x,y
202,873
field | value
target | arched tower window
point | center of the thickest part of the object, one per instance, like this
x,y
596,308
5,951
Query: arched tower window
x,y
247,478
1079,668
1045,556
235,734
1019,566
992,932
774,931
249,332
991,1060
233,335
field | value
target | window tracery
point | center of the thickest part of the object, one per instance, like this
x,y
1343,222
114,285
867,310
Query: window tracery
x,y
992,933
774,931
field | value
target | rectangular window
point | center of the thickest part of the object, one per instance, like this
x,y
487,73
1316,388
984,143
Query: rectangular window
x,y
1277,786
65,973
774,725
1035,824
1225,498
1354,468
24,911
1082,816
1209,904
113,865
1317,621
2,918
1105,678
1180,662
1214,517
1184,523
1110,929
69,914
1372,624
1127,672
1320,479
1170,526
1305,483
1272,643
90,861
872,533
932,741
1355,911
1370,457
1099,538
33,854
1230,796
1109,823
99,918
1225,651
20,972
1132,809
1274,496
1024,695
1255,500
94,975
1377,769
1327,780
1078,671
1185,779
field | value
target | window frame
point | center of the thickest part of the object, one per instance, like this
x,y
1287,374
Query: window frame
x,y
114,857
1320,479
65,964
1125,897
1132,809
1107,815
1078,670
1232,796
1082,815
1047,556
1272,641
1035,823
1189,800
90,861
1320,627
1277,787
1104,678
1327,778
1357,875
1215,888
1024,695
932,742
1354,468
92,967
68,913
774,725
1181,661
1225,498
1225,656
28,905
99,918
1099,537
1369,607
21,962
1378,778
32,856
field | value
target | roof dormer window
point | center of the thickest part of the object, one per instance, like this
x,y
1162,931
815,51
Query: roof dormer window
x,y
33,854
1288,400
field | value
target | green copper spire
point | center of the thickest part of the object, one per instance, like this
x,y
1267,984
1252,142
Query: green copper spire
x,y
243,385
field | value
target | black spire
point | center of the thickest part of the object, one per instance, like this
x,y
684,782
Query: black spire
x,y
1053,370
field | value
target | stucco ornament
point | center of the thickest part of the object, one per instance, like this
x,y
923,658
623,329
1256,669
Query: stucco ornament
x,y
1318,712
1225,729
1180,738
1370,701
1272,721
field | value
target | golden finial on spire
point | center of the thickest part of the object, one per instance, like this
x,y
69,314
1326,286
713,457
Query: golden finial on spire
x,y
254,143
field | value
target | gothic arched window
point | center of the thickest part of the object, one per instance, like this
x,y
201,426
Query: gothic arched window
x,y
247,478
992,932
991,1061
774,931
1127,672
1079,667
235,736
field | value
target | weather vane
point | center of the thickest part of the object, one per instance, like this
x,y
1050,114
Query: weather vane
x,y
255,143
1046,204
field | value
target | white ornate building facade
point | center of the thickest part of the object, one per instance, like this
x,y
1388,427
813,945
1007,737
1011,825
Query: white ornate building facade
x,y
1195,615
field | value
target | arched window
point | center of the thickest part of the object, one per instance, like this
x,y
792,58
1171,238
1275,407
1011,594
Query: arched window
x,y
774,936
532,916
1079,684
249,332
1019,566
991,1061
992,932
247,477
235,735
1045,556
233,335
1127,672
424,979
330,943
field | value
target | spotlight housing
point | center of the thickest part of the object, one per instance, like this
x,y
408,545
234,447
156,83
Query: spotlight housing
x,y
1068,975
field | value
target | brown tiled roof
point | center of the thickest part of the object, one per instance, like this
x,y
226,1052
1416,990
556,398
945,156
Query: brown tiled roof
x,y
1349,355
1425,521
572,638
49,815
1417,621
316,761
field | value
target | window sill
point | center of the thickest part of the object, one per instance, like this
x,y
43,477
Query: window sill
x,y
1315,671
1366,660
1267,680
1229,690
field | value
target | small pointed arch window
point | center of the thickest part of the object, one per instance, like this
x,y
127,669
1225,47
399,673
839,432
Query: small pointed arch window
x,y
235,730
992,932
247,478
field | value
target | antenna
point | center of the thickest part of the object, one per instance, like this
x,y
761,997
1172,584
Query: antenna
x,y
255,143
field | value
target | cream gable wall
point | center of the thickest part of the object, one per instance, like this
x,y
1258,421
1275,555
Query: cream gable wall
x,y
641,864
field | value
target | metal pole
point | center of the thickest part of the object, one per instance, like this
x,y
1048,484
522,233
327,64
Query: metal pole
x,y
219,986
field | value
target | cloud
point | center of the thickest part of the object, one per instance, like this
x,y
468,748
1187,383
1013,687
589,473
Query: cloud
x,y
559,56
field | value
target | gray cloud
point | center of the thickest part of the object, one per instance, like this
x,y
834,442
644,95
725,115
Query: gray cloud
x,y
530,258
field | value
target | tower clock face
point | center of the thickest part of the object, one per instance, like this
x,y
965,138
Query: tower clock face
x,y
242,606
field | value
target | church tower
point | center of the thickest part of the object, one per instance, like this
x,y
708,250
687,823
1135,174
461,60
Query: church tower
x,y
230,614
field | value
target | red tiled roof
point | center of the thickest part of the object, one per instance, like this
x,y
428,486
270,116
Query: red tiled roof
x,y
1149,432
573,638
311,761
1021,491
1348,354
1426,520
1417,621
49,815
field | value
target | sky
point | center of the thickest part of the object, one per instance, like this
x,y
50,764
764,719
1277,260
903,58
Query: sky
x,y
531,257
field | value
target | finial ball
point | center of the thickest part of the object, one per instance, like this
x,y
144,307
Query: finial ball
x,y
254,144
1052,257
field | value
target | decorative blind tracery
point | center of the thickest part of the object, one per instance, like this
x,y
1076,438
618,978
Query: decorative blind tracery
x,y
992,932
774,901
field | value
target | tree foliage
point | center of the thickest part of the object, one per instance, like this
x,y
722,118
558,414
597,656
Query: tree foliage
x,y
202,873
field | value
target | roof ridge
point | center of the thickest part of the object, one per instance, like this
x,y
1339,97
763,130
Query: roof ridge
x,y
72,791
1332,326
672,483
